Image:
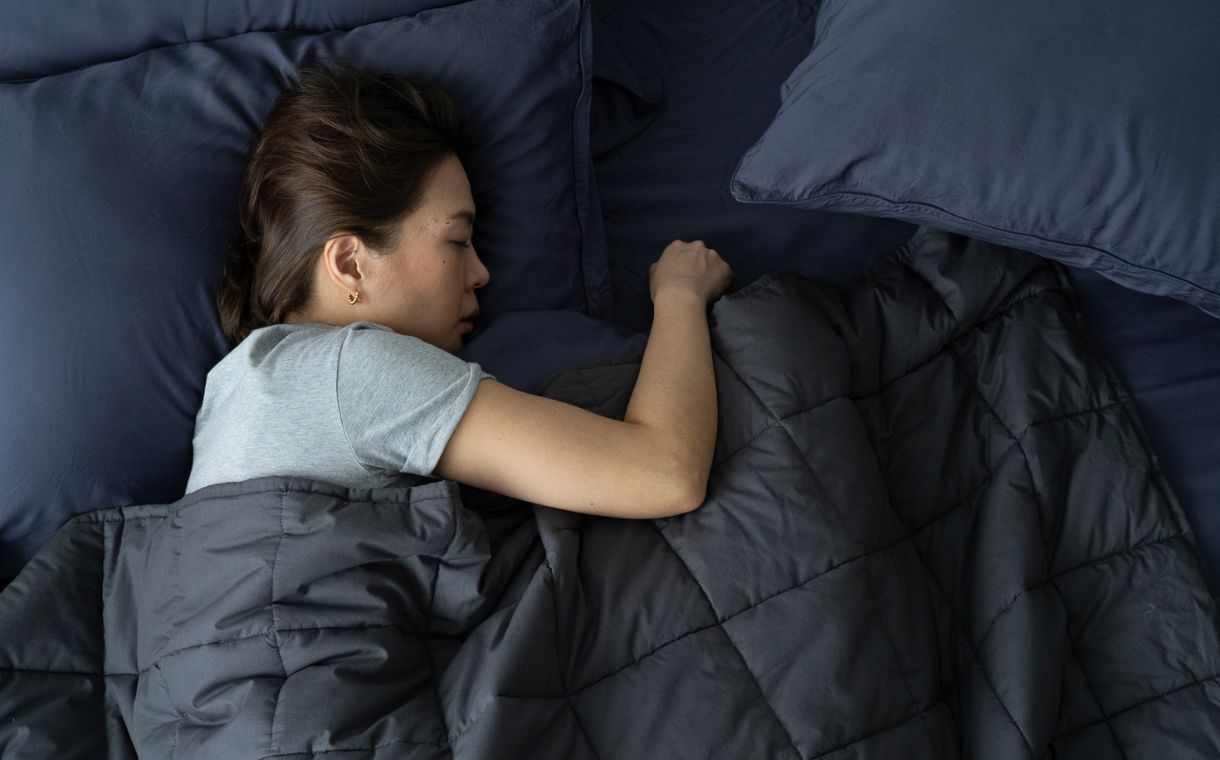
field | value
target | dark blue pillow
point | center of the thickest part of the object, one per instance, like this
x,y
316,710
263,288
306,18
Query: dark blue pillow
x,y
1086,131
524,349
126,127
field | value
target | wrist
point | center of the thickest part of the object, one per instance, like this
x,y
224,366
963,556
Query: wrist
x,y
679,295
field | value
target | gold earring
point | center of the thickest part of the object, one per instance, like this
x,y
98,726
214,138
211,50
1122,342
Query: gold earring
x,y
353,297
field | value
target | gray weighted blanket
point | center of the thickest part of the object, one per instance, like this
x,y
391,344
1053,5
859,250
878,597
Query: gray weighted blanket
x,y
933,529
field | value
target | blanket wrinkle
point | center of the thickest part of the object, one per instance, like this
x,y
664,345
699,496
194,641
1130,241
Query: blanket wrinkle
x,y
934,528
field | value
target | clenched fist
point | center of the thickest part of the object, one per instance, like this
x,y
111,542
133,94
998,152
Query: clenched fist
x,y
690,266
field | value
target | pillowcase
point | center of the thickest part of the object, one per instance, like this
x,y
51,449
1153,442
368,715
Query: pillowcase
x,y
127,126
1088,132
526,349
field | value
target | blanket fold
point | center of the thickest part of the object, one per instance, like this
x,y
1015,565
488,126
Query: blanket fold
x,y
934,528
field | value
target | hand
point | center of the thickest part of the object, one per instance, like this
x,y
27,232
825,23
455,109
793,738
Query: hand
x,y
690,266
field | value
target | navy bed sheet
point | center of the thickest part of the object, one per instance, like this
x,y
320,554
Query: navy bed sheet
x,y
1167,353
126,127
681,91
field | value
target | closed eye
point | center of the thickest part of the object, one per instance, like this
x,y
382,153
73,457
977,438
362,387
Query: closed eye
x,y
463,244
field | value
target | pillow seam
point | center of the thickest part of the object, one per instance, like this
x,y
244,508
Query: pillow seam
x,y
917,205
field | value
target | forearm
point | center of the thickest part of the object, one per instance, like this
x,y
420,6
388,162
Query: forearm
x,y
675,393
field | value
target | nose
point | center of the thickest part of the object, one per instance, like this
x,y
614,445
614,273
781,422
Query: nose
x,y
482,276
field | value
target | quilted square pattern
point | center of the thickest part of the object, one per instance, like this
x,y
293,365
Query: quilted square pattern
x,y
934,529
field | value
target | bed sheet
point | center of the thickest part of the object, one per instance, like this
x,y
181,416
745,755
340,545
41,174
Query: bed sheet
x,y
1167,353
683,88
940,588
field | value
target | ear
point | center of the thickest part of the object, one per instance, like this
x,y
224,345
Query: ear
x,y
341,259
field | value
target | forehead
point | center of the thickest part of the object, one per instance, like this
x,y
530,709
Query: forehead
x,y
447,200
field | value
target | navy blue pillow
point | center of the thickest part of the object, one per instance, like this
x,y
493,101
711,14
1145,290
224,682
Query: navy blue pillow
x,y
126,127
1085,131
525,349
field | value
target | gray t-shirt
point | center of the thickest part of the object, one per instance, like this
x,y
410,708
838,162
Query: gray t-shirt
x,y
356,406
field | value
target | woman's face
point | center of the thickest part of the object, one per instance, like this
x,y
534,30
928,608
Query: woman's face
x,y
426,286
423,288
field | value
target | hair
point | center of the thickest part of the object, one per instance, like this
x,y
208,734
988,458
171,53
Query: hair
x,y
340,150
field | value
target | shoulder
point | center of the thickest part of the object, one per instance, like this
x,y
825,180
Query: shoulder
x,y
370,355
372,343
271,348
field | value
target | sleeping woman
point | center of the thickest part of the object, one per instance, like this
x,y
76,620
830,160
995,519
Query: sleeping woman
x,y
355,282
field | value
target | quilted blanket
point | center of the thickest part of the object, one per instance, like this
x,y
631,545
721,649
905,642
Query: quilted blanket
x,y
933,529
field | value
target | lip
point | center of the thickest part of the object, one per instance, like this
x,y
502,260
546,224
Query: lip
x,y
467,323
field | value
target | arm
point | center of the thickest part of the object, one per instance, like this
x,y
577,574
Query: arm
x,y
675,394
654,463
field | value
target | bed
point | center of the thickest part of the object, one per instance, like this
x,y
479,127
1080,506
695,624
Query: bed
x,y
964,497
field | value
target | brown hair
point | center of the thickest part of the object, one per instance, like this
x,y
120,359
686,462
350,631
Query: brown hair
x,y
340,150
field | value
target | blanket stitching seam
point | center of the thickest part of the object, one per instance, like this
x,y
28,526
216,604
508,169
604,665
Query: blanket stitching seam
x,y
440,708
956,615
1049,580
957,619
815,301
1087,681
567,700
95,516
804,582
1015,443
316,752
106,585
904,260
1125,550
1158,475
958,623
974,490
732,644
940,352
470,721
885,729
950,349
778,422
959,365
771,419
774,421
1078,321
872,600
275,635
173,747
1172,505
1154,697
560,660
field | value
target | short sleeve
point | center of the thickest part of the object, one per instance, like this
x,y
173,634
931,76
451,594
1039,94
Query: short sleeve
x,y
400,397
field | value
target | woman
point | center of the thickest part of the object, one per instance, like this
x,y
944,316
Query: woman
x,y
354,285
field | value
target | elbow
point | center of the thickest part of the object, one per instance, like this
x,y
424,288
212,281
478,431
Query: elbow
x,y
692,497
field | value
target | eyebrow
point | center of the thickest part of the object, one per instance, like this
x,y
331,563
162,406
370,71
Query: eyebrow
x,y
464,214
